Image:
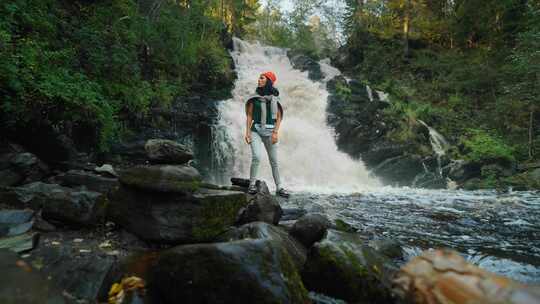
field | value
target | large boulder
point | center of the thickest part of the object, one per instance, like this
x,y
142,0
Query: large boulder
x,y
167,151
343,266
262,207
400,170
162,178
260,230
77,207
175,218
310,228
20,283
245,271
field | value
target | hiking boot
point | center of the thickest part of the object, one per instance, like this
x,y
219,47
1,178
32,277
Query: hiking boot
x,y
282,192
252,189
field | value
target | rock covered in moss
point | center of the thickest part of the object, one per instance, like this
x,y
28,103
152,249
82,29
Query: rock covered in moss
x,y
343,266
260,230
245,271
167,151
175,218
310,228
77,207
162,178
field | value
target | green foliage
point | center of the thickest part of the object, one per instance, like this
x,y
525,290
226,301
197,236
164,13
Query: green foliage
x,y
481,147
68,65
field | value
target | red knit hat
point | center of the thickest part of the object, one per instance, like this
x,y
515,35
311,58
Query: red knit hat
x,y
271,76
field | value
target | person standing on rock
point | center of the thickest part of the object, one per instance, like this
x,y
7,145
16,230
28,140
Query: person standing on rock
x,y
264,114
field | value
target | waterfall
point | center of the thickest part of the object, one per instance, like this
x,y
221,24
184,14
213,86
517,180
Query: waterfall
x,y
309,159
438,144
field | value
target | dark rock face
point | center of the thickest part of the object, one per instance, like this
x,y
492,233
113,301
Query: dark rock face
x,y
246,271
310,228
343,266
399,170
92,182
175,218
58,203
167,152
260,230
162,178
356,113
21,168
262,207
20,283
304,63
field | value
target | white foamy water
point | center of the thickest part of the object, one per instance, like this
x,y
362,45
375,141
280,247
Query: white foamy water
x,y
308,156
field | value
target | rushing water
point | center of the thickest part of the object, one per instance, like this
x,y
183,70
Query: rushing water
x,y
499,232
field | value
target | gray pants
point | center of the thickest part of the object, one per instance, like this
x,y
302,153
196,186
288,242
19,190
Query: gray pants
x,y
271,149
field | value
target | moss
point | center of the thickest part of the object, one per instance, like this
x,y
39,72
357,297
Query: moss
x,y
297,291
158,180
216,215
341,225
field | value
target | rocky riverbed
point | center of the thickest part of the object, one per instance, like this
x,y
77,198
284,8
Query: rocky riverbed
x,y
154,232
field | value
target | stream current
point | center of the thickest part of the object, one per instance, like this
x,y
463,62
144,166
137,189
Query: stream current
x,y
498,232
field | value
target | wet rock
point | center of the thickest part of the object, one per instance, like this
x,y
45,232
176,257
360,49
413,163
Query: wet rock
x,y
130,152
162,178
343,266
310,228
173,218
400,170
92,182
167,152
343,226
260,230
20,283
443,276
58,203
15,222
304,63
81,274
245,271
262,207
388,247
242,182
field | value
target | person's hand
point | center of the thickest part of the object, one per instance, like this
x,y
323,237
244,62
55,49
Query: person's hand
x,y
274,137
247,138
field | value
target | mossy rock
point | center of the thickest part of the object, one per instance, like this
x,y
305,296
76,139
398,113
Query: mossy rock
x,y
245,271
342,266
162,178
175,218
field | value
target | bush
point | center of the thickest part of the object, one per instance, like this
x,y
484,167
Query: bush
x,y
482,147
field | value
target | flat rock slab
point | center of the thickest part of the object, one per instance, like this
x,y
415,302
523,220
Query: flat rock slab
x,y
173,218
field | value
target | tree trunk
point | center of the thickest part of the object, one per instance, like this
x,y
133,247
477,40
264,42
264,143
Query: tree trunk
x,y
443,276
406,29
531,121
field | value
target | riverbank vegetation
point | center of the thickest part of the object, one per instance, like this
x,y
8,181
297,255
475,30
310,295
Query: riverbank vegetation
x,y
91,70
